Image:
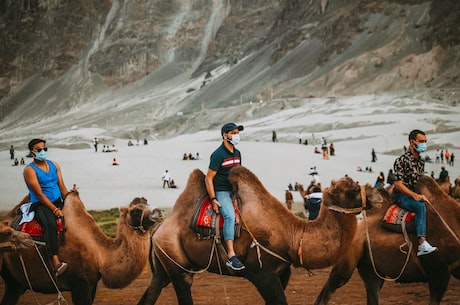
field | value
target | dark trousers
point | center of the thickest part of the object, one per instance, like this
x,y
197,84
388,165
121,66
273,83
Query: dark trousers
x,y
47,220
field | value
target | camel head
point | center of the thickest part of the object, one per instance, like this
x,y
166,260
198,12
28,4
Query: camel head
x,y
344,195
139,216
13,240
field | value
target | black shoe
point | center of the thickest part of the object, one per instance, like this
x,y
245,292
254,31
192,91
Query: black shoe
x,y
234,263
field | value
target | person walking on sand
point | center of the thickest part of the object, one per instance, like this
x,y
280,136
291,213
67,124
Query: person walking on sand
x,y
222,160
374,155
46,192
289,199
408,168
11,152
166,178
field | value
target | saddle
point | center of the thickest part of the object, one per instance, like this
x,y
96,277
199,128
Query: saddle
x,y
394,218
34,229
204,218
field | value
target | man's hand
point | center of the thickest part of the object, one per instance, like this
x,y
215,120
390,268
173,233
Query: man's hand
x,y
215,206
420,197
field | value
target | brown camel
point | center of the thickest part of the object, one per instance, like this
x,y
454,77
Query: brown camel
x,y
269,228
11,240
456,189
435,269
445,186
91,254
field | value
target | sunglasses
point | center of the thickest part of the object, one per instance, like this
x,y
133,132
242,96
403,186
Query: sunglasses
x,y
40,149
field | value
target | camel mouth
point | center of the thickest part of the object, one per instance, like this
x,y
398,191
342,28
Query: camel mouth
x,y
27,243
157,215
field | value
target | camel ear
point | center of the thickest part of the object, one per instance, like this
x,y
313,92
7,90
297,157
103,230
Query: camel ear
x,y
123,211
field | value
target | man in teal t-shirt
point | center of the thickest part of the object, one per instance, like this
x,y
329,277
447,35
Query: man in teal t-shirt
x,y
219,188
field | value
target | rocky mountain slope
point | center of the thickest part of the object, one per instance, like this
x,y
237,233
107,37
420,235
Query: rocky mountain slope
x,y
143,68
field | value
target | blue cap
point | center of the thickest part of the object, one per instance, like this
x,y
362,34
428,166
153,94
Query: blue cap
x,y
229,127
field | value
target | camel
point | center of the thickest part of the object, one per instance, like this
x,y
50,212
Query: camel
x,y
435,268
456,189
445,186
12,240
269,228
91,254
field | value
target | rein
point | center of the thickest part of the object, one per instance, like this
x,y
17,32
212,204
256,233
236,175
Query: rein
x,y
445,223
407,242
60,297
339,209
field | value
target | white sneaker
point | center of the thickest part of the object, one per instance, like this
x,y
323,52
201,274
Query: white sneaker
x,y
425,248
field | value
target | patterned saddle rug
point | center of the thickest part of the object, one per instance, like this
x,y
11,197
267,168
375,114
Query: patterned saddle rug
x,y
34,229
204,218
395,216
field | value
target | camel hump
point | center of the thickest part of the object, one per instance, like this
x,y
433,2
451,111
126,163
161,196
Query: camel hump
x,y
196,177
428,183
239,173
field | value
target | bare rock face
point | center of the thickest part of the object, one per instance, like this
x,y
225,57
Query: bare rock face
x,y
190,55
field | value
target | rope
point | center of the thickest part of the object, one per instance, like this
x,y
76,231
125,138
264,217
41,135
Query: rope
x,y
371,256
444,222
60,297
182,267
255,243
227,299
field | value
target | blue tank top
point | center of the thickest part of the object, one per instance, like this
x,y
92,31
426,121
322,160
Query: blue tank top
x,y
48,182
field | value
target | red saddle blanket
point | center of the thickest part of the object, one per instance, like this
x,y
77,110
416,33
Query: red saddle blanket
x,y
204,218
395,216
34,229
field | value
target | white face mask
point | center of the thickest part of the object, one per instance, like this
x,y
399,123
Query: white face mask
x,y
235,139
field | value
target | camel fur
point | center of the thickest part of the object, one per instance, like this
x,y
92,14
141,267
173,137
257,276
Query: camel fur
x,y
456,189
308,244
90,254
434,268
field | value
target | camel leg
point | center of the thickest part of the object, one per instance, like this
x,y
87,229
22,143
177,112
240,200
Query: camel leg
x,y
372,283
438,277
158,281
182,285
269,286
284,277
13,290
83,293
339,276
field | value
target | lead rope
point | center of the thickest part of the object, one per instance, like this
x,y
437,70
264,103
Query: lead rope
x,y
444,223
371,256
221,276
60,297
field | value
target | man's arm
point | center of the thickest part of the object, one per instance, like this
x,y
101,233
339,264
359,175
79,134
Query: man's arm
x,y
210,188
61,184
401,187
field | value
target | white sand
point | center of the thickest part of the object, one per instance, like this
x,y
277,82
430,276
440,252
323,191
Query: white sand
x,y
356,128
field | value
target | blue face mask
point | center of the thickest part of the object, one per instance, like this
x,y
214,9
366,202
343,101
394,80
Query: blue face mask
x,y
41,156
420,148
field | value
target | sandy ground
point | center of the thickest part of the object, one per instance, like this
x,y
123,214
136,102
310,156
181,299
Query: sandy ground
x,y
214,289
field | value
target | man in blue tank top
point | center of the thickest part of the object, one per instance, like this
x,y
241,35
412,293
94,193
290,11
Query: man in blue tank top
x,y
219,188
46,190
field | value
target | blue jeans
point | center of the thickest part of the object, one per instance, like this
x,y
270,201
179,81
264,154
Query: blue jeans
x,y
228,213
415,206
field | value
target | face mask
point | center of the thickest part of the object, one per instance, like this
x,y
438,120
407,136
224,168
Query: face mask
x,y
41,156
420,147
235,139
